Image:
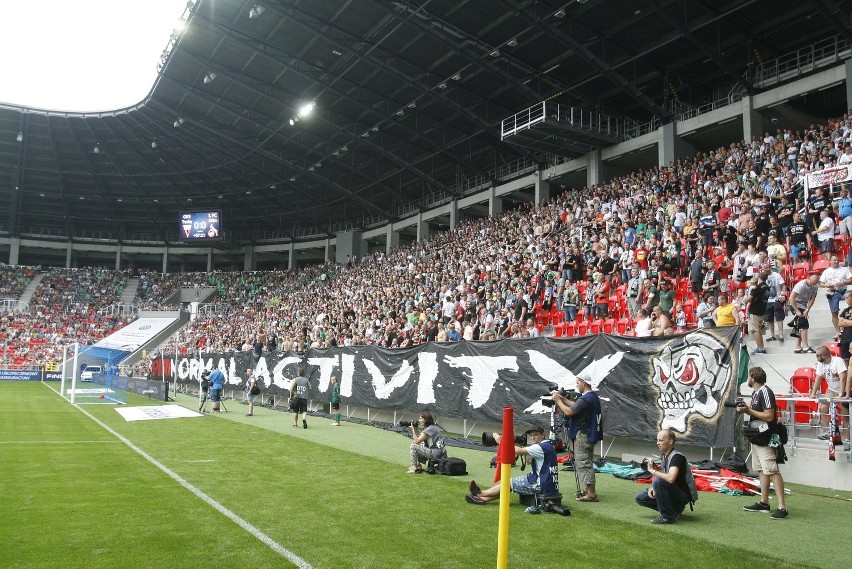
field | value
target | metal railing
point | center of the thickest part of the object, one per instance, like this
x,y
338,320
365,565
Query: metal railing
x,y
583,119
823,53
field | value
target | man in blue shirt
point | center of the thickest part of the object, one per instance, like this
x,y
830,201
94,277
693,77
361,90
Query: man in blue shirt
x,y
217,385
543,477
453,333
585,429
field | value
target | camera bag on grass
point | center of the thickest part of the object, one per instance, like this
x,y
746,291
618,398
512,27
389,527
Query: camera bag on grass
x,y
449,466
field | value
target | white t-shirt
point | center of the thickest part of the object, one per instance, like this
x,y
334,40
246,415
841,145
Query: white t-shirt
x,y
832,371
835,277
643,327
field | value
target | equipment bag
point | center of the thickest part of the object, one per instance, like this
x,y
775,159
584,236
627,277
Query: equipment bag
x,y
255,389
452,466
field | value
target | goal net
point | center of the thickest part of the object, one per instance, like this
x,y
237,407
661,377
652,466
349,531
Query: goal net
x,y
90,376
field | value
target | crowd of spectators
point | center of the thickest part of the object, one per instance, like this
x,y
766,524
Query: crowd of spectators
x,y
68,305
716,220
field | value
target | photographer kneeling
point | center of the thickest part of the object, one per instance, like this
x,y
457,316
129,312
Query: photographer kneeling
x,y
429,444
542,478
585,429
672,487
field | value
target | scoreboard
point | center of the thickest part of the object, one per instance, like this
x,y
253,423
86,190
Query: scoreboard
x,y
201,226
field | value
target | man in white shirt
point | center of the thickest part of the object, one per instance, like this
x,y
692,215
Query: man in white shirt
x,y
825,234
835,279
833,371
643,324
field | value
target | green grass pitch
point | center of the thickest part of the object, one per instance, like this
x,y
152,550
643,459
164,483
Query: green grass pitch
x,y
74,494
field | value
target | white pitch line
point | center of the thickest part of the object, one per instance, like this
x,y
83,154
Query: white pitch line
x,y
271,543
57,442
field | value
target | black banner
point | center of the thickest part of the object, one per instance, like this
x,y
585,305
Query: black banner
x,y
645,384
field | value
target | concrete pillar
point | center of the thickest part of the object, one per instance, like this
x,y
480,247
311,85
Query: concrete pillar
x,y
209,259
422,228
495,203
68,255
666,152
594,169
165,260
327,254
542,189
291,263
752,121
848,67
118,258
454,213
249,261
392,241
349,245
14,250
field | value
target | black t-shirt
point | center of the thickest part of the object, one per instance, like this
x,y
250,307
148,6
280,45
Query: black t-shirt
x,y
846,332
679,461
519,308
759,294
797,233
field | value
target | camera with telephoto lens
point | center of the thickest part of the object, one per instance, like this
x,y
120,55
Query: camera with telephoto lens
x,y
408,423
488,440
740,402
552,508
569,394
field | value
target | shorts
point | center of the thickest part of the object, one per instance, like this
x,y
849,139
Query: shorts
x,y
215,395
834,300
763,459
250,397
774,312
520,485
802,323
826,246
756,324
335,406
844,350
299,405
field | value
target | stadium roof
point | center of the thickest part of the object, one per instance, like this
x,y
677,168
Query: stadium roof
x,y
408,95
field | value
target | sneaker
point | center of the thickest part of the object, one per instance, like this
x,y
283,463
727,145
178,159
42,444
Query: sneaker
x,y
824,437
335,424
474,488
474,500
780,338
757,507
304,424
809,350
771,339
413,470
779,514
757,351
662,520
249,414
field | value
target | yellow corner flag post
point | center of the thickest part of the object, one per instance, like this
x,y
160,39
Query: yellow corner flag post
x,y
505,457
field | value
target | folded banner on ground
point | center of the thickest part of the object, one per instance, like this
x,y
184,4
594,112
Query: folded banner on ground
x,y
645,384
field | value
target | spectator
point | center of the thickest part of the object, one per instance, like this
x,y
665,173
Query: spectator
x,y
801,300
835,279
832,369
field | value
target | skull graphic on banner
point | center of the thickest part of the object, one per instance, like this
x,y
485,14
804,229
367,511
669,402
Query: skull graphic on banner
x,y
692,378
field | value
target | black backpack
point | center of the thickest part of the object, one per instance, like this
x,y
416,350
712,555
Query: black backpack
x,y
255,389
449,466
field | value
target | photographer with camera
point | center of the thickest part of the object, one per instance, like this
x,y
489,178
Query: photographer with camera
x,y
217,386
543,475
672,487
585,429
763,456
428,444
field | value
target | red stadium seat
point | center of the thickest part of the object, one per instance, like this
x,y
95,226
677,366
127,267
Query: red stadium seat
x,y
582,328
621,326
595,326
